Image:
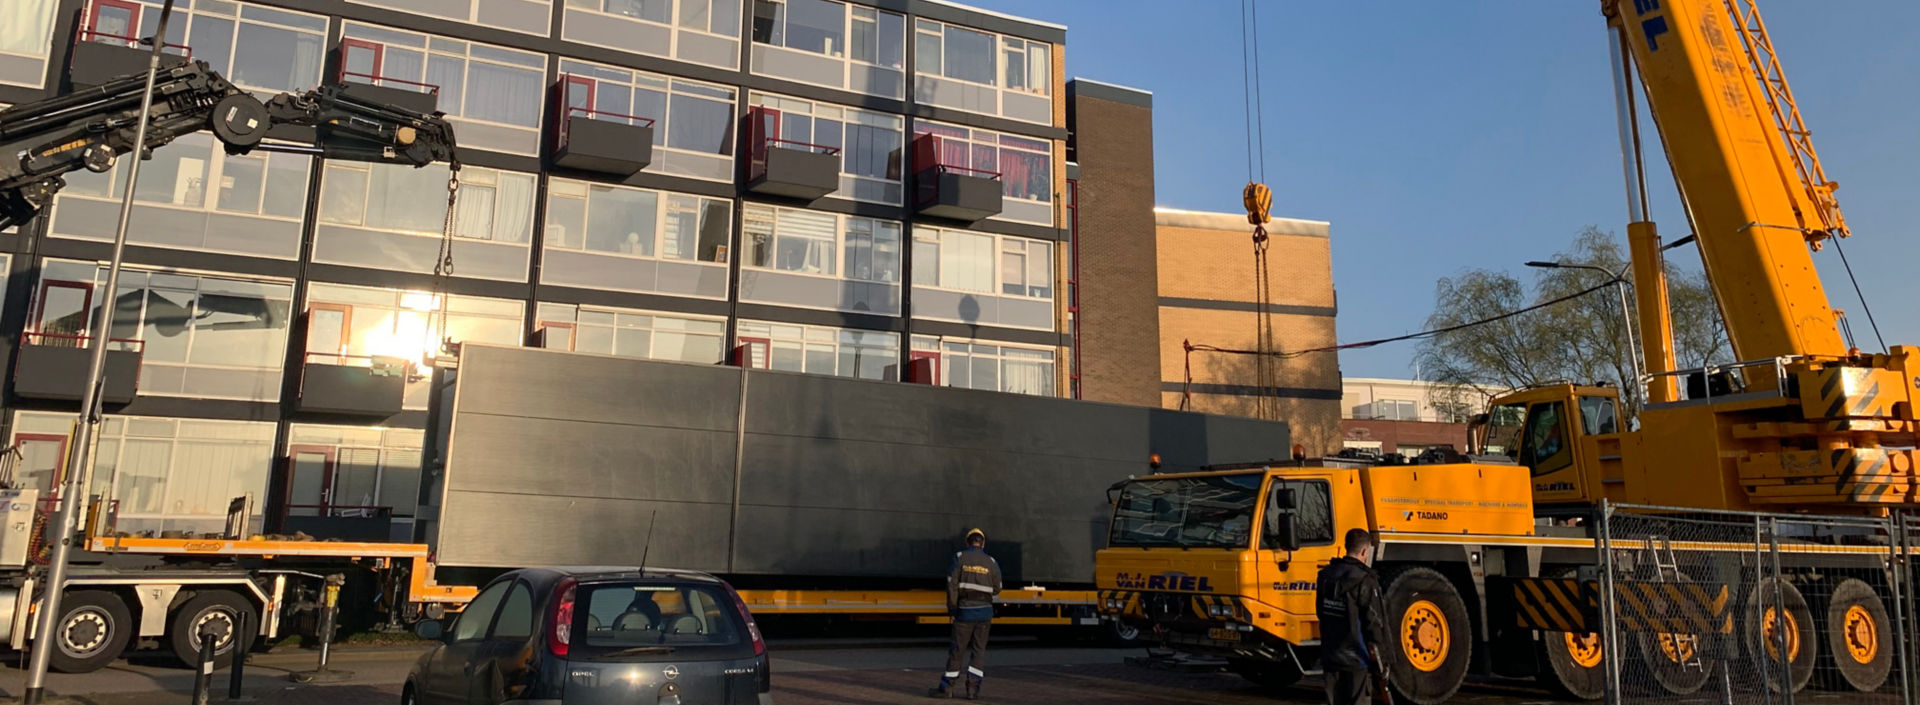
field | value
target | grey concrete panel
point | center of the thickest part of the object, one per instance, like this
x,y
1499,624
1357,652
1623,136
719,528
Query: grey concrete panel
x,y
339,244
599,271
1027,107
572,452
708,49
1024,211
265,237
874,80
1025,313
693,279
499,138
521,15
511,530
23,71
612,32
162,379
450,9
805,67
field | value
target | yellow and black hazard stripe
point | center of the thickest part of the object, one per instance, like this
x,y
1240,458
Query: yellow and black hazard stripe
x,y
1556,604
1219,607
1127,601
1840,391
1674,608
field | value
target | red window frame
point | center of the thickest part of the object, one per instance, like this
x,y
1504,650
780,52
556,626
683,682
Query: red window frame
x,y
934,356
766,352
86,304
330,462
550,326
346,329
59,466
348,44
133,20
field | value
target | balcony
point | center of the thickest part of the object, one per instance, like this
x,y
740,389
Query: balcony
x,y
423,98
604,142
952,191
351,385
99,58
792,169
340,522
53,366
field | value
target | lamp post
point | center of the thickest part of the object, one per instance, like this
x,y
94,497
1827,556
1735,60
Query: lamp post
x,y
1618,279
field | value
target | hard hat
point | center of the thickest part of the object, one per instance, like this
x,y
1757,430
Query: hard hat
x,y
976,532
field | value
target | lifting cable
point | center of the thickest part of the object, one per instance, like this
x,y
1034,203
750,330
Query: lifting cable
x,y
1860,294
1258,200
443,266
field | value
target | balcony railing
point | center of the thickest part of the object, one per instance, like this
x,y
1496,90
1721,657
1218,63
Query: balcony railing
x,y
76,340
375,80
792,168
93,35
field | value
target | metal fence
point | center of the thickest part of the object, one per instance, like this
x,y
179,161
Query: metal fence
x,y
1756,608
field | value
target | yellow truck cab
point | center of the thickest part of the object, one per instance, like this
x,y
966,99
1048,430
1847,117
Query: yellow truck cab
x,y
1223,564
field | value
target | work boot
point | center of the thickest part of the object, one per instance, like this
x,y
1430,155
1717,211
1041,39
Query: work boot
x,y
973,689
939,691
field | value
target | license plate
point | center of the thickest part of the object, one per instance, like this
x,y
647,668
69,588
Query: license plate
x,y
1222,634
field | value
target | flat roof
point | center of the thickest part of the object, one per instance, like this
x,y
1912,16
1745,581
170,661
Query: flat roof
x,y
1209,220
1083,79
1001,15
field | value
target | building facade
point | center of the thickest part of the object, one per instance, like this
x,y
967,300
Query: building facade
x,y
1404,416
864,188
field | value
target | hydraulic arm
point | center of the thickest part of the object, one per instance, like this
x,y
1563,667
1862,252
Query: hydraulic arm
x,y
91,128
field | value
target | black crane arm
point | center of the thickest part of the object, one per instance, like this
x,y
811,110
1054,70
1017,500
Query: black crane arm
x,y
91,128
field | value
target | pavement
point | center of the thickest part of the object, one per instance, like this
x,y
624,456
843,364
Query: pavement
x,y
806,672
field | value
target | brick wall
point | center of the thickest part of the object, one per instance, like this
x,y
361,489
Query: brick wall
x,y
1119,325
1208,297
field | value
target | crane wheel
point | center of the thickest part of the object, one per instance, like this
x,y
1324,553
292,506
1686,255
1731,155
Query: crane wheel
x,y
1776,621
1575,668
94,628
1857,638
215,611
1429,635
1678,663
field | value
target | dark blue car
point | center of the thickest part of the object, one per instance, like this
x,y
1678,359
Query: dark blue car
x,y
596,636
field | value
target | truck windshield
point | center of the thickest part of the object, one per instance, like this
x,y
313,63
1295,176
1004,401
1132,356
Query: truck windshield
x,y
1189,512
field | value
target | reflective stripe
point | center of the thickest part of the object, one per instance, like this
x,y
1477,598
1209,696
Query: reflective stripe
x,y
976,672
971,586
953,674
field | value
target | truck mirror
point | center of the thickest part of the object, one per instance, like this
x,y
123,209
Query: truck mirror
x,y
1282,498
1285,533
429,629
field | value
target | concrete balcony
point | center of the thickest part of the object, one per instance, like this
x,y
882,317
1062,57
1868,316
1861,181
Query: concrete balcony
x,y
958,193
351,385
598,141
53,366
98,58
795,170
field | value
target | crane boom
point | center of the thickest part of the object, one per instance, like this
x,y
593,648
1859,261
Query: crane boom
x,y
1739,151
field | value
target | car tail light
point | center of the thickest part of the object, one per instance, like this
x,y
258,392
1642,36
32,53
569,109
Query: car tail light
x,y
753,630
560,622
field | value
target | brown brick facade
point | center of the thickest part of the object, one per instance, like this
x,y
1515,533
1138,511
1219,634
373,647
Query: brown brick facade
x,y
1119,328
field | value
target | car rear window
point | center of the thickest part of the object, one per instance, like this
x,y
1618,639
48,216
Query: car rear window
x,y
690,619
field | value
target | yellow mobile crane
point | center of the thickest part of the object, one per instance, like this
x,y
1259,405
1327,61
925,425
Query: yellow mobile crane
x,y
1223,562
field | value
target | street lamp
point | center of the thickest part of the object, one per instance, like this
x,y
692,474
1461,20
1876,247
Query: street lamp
x,y
1618,279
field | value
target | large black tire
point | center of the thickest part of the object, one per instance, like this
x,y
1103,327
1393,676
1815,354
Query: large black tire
x,y
1272,676
1430,635
94,628
1574,668
1122,633
1857,637
1762,638
218,610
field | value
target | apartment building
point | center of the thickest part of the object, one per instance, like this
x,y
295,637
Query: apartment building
x,y
864,188
1405,416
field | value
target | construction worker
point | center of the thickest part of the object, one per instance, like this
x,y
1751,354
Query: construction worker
x,y
1352,623
972,583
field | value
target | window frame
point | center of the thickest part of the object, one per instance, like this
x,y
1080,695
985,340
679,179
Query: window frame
x,y
472,18
674,86
1000,242
367,170
659,220
520,587
843,223
811,336
428,50
673,28
759,111
940,354
846,56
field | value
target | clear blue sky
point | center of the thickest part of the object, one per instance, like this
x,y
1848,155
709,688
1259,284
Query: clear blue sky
x,y
1441,136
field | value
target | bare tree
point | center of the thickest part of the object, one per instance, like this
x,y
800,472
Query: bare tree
x,y
1580,339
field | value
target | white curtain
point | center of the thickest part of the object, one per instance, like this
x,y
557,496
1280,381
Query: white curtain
x,y
29,27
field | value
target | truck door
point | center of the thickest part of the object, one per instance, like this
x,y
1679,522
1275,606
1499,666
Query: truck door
x,y
1286,576
1550,451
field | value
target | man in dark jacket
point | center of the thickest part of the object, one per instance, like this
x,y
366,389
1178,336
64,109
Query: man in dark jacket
x,y
1353,633
972,583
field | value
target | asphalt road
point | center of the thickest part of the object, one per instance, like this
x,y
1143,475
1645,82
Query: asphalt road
x,y
841,671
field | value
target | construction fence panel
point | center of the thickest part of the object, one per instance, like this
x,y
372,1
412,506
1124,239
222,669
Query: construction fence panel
x,y
1754,608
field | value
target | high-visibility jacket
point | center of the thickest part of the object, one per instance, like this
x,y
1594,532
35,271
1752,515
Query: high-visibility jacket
x,y
972,583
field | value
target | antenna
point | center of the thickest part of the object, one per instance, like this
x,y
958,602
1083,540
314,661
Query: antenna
x,y
648,547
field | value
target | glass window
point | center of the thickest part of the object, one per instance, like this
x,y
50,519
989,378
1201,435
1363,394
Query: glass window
x,y
650,10
529,16
820,350
817,26
927,48
1597,416
492,204
873,250
516,615
991,367
473,621
168,474
869,142
696,621
629,221
1545,441
1025,165
632,333
473,81
692,121
963,261
1197,512
968,56
28,30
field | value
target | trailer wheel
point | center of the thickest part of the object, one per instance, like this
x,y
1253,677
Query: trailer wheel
x,y
1768,623
1858,637
1575,667
1432,638
1122,632
1266,674
217,611
93,629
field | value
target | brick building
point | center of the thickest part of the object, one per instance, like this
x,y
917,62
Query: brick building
x,y
1144,281
1402,416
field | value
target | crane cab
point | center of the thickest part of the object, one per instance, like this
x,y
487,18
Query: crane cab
x,y
1568,436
